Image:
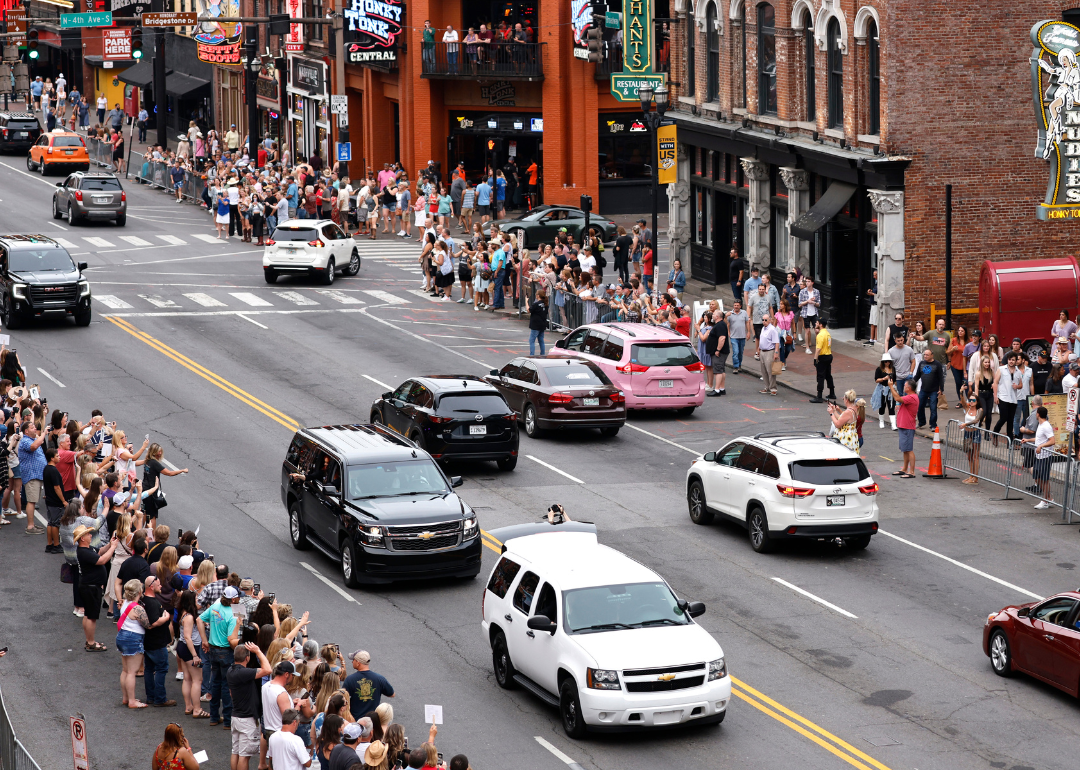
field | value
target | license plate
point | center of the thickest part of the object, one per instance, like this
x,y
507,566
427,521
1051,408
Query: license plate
x,y
102,198
69,152
591,401
835,500
477,430
22,134
667,383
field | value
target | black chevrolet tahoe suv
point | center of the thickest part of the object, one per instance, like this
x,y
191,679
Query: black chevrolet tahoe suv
x,y
377,504
38,278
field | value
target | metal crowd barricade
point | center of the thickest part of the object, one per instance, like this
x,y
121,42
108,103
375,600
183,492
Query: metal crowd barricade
x,y
100,152
13,755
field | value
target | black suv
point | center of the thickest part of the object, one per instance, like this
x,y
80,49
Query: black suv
x,y
375,502
18,131
452,416
39,278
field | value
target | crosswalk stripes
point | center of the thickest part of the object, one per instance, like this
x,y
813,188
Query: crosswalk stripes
x,y
250,299
172,240
99,242
207,238
386,297
205,300
295,297
65,243
424,294
157,301
338,296
114,303
135,240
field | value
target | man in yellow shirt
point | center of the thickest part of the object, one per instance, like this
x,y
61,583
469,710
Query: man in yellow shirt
x,y
823,361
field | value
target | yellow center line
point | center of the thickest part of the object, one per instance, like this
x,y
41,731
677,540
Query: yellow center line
x,y
491,541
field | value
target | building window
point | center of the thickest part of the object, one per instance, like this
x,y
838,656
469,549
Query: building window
x,y
691,56
712,60
811,68
766,45
874,65
315,31
836,76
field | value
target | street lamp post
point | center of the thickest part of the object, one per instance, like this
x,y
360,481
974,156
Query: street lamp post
x,y
253,67
647,94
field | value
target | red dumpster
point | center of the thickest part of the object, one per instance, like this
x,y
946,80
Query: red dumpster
x,y
1023,299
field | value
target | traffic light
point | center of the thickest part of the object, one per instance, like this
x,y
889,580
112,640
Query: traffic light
x,y
32,43
136,43
595,41
599,14
586,203
494,145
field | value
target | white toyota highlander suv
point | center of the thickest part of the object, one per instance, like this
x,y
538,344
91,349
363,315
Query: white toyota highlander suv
x,y
600,636
312,247
786,485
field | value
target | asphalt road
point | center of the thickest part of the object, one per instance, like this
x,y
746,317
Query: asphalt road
x,y
190,345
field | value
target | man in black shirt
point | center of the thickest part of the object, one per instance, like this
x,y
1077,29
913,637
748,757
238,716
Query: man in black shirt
x,y
716,345
896,329
92,576
737,272
1040,372
134,567
155,645
623,243
244,683
53,483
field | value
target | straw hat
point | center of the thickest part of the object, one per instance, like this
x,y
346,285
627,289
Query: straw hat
x,y
80,531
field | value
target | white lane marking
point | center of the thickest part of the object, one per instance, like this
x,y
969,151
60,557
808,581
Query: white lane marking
x,y
337,296
207,238
661,438
135,240
41,519
35,177
386,297
251,321
817,599
424,294
101,242
158,301
177,314
60,384
65,243
296,297
961,564
205,300
344,594
56,225
108,300
380,384
553,468
558,754
172,240
250,299
448,349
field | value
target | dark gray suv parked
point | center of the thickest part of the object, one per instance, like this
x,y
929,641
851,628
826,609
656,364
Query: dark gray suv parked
x,y
90,195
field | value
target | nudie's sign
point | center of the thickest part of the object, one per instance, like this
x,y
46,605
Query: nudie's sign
x,y
1055,83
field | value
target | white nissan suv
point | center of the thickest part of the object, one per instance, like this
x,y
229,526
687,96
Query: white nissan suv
x,y
786,485
314,247
598,635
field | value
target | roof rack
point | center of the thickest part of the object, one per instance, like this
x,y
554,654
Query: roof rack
x,y
28,238
624,331
777,437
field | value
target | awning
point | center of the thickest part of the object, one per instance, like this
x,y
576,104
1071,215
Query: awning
x,y
141,75
821,212
181,85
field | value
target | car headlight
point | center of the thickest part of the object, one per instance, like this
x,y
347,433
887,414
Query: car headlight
x,y
471,530
602,679
373,537
717,669
84,289
18,290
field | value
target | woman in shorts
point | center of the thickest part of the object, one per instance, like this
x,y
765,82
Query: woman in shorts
x,y
465,275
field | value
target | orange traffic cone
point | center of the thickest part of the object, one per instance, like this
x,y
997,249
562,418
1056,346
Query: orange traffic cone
x,y
936,470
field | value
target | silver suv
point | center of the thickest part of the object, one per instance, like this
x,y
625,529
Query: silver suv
x,y
90,195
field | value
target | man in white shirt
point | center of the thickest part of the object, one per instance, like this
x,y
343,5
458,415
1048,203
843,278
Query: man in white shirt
x,y
285,748
768,344
451,37
1069,380
235,226
1043,443
275,698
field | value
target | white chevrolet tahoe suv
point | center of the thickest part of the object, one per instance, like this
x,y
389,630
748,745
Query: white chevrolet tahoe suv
x,y
786,485
598,635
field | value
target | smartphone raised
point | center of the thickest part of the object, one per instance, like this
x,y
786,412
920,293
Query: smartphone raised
x,y
258,588
272,597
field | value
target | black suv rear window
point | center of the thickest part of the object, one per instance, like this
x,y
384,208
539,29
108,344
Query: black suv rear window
x,y
67,141
472,403
663,354
845,471
23,125
304,234
99,183
503,577
574,376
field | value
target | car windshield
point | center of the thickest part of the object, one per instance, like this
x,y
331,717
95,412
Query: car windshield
x,y
472,403
637,605
100,183
663,354
39,260
396,479
840,471
304,234
574,376
67,141
535,215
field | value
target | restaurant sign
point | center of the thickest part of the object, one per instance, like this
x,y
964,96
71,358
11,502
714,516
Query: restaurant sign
x,y
1055,84
372,28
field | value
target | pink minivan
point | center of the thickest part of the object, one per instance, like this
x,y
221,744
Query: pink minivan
x,y
656,368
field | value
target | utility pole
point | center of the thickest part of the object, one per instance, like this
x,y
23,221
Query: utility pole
x,y
161,100
339,69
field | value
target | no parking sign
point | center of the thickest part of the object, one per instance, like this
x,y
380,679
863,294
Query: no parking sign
x,y
1070,419
79,754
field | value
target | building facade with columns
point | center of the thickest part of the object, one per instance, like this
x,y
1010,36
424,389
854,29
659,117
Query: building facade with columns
x,y
820,135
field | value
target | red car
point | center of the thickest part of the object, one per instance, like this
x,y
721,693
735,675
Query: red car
x,y
1039,638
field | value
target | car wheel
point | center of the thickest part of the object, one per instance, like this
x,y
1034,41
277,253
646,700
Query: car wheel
x,y
121,220
695,501
611,432
858,543
1000,654
354,263
29,163
348,563
297,529
501,663
41,167
686,411
376,418
570,710
83,318
759,531
331,273
522,240
270,275
12,320
56,210
1033,348
417,438
508,463
70,214
532,429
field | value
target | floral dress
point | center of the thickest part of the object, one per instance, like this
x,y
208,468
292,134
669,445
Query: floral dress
x,y
848,434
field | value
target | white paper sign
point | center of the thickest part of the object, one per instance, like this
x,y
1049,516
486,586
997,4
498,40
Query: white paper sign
x,y
5,339
432,715
200,757
338,103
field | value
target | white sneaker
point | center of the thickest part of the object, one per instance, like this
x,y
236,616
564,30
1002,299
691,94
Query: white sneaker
x,y
445,298
20,515
1042,505
783,368
401,232
78,612
809,351
179,676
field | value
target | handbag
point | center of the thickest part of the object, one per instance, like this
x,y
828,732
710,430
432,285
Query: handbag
x,y
777,366
159,500
789,340
67,573
942,402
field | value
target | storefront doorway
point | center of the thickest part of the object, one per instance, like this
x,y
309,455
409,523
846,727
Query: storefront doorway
x,y
517,135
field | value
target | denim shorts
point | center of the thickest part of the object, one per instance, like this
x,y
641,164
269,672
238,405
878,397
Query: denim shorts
x,y
907,439
129,643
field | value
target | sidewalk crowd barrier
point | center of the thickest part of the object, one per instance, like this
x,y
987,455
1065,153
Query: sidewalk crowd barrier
x,y
13,755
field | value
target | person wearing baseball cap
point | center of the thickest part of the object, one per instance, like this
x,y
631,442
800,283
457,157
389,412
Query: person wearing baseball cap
x,y
344,754
365,687
221,635
92,577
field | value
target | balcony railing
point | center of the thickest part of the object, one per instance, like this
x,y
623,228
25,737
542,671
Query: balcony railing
x,y
483,61
612,52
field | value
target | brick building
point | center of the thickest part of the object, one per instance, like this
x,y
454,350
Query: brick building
x,y
822,133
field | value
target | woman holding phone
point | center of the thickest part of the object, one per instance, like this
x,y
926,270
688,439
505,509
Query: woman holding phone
x,y
152,472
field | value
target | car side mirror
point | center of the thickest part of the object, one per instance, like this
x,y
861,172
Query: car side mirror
x,y
456,481
695,609
387,396
561,343
709,457
82,266
1023,612
495,373
541,623
329,490
59,184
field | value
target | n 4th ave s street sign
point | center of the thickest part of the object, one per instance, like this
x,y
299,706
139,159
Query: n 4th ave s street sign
x,y
170,19
68,20
625,87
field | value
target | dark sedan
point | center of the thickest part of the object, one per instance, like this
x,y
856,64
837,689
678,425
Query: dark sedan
x,y
1038,638
555,392
543,223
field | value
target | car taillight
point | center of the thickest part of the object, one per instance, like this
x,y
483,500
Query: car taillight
x,y
512,417
5,133
78,195
123,197
560,398
49,151
697,366
789,491
440,420
270,241
632,368
618,398
870,490
316,242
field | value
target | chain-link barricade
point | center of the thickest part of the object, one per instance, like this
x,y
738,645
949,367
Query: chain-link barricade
x,y
13,755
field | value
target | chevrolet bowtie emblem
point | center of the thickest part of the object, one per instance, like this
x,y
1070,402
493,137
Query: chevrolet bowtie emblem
x,y
426,535
665,677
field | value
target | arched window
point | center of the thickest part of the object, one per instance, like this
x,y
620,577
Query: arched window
x,y
873,63
691,54
836,76
811,67
712,60
766,49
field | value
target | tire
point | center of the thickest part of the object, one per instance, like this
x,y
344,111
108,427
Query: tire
x,y
532,429
1000,653
758,526
12,320
858,543
695,501
507,463
1032,348
297,528
686,411
376,419
417,438
570,710
121,220
56,210
70,214
354,263
610,432
348,563
41,168
270,275
501,663
83,318
331,273
29,163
